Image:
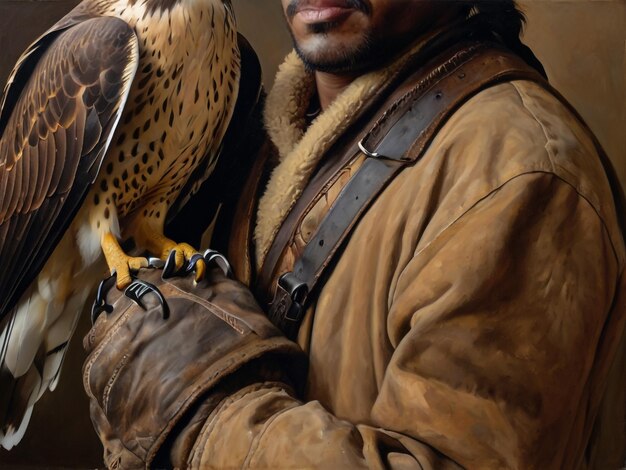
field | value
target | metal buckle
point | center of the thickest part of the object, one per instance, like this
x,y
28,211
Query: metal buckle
x,y
287,309
296,291
365,151
379,156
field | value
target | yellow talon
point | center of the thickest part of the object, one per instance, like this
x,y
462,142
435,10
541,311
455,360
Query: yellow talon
x,y
183,251
119,262
183,254
158,244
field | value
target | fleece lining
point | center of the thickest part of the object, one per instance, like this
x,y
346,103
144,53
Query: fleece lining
x,y
300,149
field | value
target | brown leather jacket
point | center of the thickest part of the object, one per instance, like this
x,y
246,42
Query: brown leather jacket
x,y
476,309
474,317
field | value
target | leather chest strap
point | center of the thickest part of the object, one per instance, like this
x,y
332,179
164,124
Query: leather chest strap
x,y
398,139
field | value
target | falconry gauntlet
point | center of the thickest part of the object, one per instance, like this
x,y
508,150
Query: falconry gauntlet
x,y
164,356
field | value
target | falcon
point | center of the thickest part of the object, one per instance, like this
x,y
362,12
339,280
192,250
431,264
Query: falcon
x,y
104,120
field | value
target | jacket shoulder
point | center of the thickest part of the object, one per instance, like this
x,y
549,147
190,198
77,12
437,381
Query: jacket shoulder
x,y
517,128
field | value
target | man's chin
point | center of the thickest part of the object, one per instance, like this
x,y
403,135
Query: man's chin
x,y
322,56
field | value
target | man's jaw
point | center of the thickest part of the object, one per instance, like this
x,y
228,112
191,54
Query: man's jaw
x,y
320,56
324,46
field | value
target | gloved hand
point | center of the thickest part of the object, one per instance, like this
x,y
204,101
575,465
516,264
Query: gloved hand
x,y
166,354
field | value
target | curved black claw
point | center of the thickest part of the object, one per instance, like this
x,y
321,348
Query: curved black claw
x,y
215,257
170,270
191,267
100,304
139,289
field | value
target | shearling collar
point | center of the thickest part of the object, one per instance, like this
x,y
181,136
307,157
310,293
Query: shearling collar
x,y
301,149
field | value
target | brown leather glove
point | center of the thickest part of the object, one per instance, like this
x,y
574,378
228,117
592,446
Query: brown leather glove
x,y
166,354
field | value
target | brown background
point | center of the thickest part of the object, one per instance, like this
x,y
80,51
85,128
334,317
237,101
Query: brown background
x,y
581,43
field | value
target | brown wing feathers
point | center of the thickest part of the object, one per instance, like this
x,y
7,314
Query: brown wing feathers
x,y
54,140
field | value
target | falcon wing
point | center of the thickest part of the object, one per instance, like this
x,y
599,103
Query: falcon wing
x,y
60,110
28,60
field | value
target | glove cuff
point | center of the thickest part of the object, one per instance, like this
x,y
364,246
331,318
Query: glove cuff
x,y
150,378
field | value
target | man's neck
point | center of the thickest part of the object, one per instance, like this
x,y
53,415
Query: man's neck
x,y
329,86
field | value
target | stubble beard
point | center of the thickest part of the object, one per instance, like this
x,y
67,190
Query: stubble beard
x,y
319,55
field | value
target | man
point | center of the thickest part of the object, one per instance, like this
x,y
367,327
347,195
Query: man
x,y
472,317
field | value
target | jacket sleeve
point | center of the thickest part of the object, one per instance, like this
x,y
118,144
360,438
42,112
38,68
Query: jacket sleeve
x,y
495,325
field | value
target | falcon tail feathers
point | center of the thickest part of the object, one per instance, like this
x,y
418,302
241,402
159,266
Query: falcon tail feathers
x,y
34,339
16,411
18,390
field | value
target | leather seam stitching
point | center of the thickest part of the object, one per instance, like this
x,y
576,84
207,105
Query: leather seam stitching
x,y
490,193
98,351
548,138
580,190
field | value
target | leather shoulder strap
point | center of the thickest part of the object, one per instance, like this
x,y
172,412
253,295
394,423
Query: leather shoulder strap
x,y
398,139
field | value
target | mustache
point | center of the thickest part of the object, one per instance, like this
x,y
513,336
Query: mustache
x,y
296,5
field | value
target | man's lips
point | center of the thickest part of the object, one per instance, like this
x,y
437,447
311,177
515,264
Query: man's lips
x,y
324,11
323,15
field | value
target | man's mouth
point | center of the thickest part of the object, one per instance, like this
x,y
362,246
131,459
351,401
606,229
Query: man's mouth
x,y
324,11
